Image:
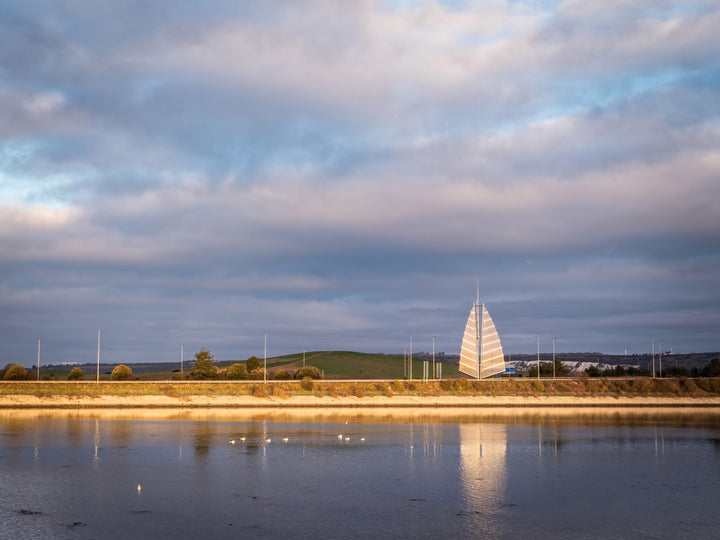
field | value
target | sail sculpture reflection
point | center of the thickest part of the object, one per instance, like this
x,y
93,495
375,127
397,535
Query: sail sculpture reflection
x,y
483,475
481,354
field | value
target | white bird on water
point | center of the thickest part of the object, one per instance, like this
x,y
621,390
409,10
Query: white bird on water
x,y
139,488
285,439
232,441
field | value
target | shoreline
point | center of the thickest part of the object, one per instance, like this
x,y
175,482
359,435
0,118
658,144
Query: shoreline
x,y
25,401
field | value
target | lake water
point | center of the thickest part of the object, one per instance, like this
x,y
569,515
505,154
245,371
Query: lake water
x,y
76,475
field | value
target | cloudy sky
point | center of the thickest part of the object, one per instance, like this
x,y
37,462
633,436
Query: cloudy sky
x,y
337,174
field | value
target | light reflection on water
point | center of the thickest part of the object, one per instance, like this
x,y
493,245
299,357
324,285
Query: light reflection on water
x,y
74,474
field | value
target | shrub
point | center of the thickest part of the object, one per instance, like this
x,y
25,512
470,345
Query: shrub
x,y
461,385
15,373
121,373
397,386
282,375
688,386
259,390
237,372
257,374
76,374
308,371
307,384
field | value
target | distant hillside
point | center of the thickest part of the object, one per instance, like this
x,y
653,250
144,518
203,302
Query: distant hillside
x,y
356,365
644,361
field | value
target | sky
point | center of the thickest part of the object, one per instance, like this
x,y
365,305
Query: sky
x,y
339,176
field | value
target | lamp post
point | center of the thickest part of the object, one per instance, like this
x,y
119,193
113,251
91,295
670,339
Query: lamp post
x,y
38,362
538,356
265,361
97,379
660,358
182,359
554,357
411,356
652,339
434,368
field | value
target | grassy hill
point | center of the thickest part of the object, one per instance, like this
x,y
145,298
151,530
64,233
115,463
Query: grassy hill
x,y
354,365
334,365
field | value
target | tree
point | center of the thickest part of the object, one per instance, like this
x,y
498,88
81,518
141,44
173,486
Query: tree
x,y
593,371
204,367
282,375
76,374
307,371
712,369
617,371
252,363
237,372
121,373
15,373
546,369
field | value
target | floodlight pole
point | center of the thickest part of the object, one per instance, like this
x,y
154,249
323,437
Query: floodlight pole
x,y
97,380
652,339
411,356
434,368
660,358
38,362
538,355
265,361
554,357
182,359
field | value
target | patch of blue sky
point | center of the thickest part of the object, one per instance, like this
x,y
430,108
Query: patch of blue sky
x,y
405,5
667,11
653,81
402,5
544,5
49,191
475,40
16,153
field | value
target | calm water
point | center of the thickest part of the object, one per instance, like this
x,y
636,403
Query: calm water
x,y
75,475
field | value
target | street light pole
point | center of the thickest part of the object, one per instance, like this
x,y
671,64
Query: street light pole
x,y
660,359
97,380
653,356
182,359
411,356
434,368
38,362
538,355
265,362
554,357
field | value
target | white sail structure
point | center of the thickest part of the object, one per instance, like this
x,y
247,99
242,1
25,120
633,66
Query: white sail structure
x,y
481,354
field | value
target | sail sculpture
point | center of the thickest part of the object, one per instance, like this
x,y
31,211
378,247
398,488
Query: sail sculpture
x,y
481,354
